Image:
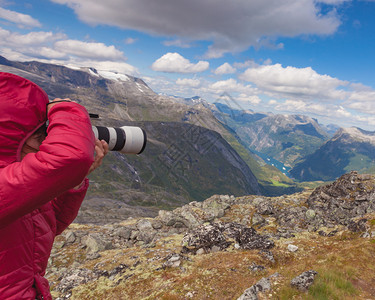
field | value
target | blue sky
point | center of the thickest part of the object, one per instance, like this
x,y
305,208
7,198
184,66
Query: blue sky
x,y
312,57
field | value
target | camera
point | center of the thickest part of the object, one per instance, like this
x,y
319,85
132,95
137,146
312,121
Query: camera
x,y
125,139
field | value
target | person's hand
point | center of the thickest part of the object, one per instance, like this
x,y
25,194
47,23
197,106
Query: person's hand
x,y
55,101
101,150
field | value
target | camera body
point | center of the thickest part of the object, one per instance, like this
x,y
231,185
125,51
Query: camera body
x,y
125,139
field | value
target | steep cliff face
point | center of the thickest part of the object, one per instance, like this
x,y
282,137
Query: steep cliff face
x,y
181,163
349,149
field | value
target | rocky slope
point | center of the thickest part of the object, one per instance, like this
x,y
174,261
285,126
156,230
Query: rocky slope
x,y
310,245
349,149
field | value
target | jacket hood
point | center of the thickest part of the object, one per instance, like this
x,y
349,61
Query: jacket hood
x,y
22,111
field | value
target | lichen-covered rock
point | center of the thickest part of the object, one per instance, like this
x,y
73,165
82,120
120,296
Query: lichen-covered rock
x,y
222,235
263,206
96,243
204,237
216,205
70,237
304,281
73,278
350,196
263,285
252,292
122,233
146,232
359,226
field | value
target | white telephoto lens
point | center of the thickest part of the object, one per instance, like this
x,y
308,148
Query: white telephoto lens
x,y
135,139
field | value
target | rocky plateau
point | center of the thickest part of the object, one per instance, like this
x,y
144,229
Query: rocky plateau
x,y
316,243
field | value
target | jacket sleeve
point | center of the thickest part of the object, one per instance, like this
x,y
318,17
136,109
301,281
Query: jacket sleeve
x,y
66,206
61,163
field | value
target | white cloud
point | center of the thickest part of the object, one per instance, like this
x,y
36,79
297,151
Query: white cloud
x,y
51,53
193,83
245,64
231,85
177,43
175,63
253,99
57,49
295,82
299,106
21,20
90,50
225,68
8,38
231,25
130,41
332,2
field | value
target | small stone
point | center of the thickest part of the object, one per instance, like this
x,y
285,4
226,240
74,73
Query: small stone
x,y
156,224
173,261
256,268
200,251
70,237
310,214
292,248
123,232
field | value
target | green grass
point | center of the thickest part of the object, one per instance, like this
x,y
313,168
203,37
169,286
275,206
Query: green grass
x,y
277,183
328,285
332,284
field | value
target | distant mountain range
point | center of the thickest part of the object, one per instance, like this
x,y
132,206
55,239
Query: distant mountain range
x,y
349,149
313,151
286,138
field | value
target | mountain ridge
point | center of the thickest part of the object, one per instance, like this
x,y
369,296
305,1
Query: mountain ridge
x,y
349,149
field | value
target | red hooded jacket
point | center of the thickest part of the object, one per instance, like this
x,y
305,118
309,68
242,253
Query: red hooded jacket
x,y
37,199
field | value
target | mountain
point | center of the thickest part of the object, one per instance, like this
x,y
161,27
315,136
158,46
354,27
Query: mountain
x,y
318,244
286,138
349,149
331,129
189,156
238,116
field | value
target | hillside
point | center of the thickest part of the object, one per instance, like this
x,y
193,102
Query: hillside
x,y
349,149
311,245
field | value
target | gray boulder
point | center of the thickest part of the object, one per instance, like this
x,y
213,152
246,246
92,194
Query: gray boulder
x,y
96,243
304,281
146,231
252,293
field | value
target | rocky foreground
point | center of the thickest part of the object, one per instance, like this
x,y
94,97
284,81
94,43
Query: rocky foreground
x,y
312,245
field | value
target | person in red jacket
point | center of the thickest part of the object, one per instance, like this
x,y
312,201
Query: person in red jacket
x,y
42,180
